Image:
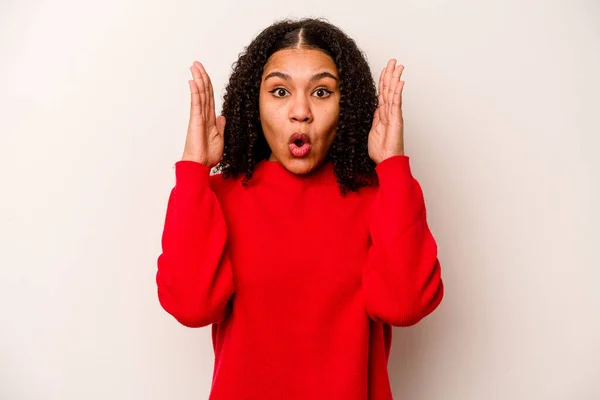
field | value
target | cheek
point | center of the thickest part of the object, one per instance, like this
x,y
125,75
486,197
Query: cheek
x,y
272,119
330,117
270,111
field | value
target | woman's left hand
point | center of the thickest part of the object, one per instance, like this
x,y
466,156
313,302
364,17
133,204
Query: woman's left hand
x,y
386,138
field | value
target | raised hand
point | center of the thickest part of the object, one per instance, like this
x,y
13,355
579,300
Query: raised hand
x,y
386,138
204,141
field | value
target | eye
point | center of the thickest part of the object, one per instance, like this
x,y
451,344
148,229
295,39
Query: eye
x,y
323,93
278,92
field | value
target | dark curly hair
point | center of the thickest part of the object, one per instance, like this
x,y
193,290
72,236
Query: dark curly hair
x,y
245,143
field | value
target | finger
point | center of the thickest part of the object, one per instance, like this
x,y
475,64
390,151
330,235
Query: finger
x,y
211,102
200,83
376,116
204,76
194,98
394,82
383,115
397,100
220,122
387,79
384,86
380,97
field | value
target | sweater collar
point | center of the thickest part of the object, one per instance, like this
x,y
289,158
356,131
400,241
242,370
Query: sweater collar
x,y
274,171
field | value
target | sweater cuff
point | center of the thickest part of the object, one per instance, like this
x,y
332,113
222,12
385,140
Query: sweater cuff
x,y
192,175
393,169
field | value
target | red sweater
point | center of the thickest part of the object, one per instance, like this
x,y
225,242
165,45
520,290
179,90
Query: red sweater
x,y
301,284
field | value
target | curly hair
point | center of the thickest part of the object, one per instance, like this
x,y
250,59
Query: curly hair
x,y
245,144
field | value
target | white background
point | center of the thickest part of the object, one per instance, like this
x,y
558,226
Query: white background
x,y
501,121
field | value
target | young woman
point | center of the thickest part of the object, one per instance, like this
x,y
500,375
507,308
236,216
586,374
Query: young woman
x,y
312,241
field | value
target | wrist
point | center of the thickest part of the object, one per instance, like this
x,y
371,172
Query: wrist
x,y
195,158
390,155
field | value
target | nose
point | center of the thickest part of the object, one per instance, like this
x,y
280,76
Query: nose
x,y
300,109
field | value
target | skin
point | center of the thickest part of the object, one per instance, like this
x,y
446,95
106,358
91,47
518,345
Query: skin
x,y
386,138
306,100
297,103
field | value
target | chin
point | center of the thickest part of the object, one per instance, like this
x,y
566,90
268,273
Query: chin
x,y
300,166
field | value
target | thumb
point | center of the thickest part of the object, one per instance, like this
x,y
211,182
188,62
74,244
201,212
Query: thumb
x,y
221,124
376,116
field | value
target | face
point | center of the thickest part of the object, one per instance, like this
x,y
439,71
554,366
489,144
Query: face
x,y
299,107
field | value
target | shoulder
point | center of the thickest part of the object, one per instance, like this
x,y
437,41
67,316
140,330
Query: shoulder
x,y
360,200
223,187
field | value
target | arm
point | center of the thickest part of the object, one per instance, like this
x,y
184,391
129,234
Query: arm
x,y
402,279
194,276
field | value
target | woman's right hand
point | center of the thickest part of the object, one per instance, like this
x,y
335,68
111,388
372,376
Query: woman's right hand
x,y
204,141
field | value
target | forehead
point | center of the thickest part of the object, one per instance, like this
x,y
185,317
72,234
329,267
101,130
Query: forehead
x,y
299,62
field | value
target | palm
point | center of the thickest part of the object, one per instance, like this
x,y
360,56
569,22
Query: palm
x,y
386,138
212,139
205,137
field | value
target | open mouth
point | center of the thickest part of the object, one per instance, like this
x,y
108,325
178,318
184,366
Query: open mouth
x,y
300,144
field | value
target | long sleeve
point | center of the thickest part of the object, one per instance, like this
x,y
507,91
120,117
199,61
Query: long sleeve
x,y
402,279
194,276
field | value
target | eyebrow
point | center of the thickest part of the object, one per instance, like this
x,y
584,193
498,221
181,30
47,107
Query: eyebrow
x,y
316,77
